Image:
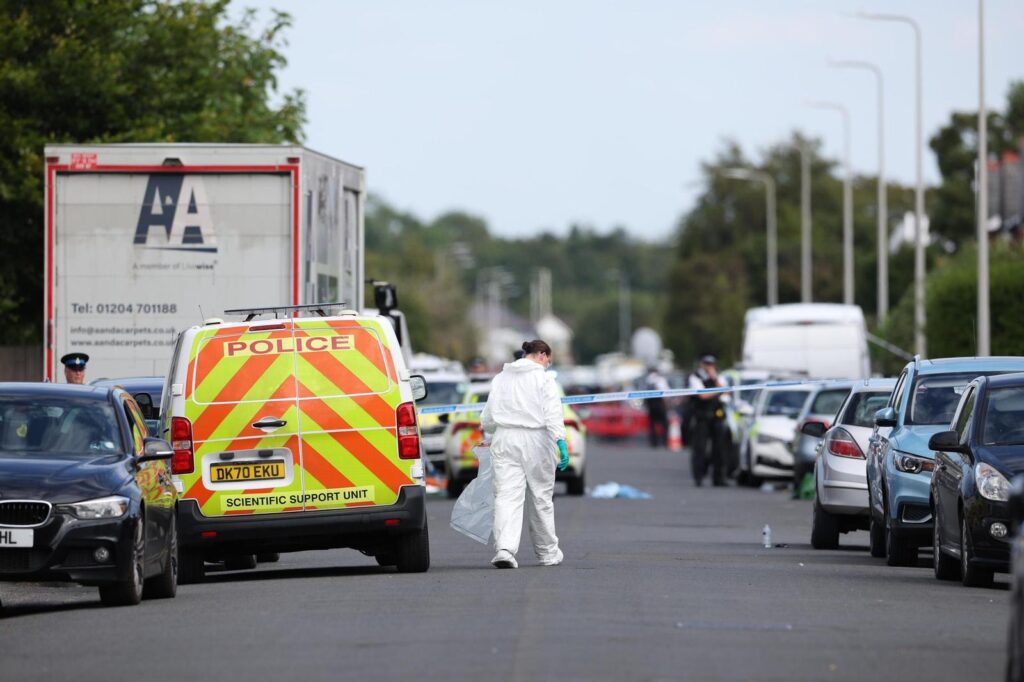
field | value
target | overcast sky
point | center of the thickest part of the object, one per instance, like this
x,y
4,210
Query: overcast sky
x,y
536,115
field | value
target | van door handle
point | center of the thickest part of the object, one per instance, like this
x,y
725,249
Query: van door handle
x,y
269,423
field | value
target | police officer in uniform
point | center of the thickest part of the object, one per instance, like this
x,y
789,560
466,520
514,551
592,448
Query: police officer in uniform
x,y
709,424
74,367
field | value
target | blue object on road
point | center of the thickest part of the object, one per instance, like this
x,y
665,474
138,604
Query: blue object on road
x,y
606,491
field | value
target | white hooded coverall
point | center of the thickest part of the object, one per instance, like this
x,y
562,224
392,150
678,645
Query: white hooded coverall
x,y
524,414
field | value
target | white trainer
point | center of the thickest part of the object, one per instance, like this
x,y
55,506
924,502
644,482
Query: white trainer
x,y
504,559
553,561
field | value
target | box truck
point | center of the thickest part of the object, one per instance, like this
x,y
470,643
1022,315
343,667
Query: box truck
x,y
816,340
145,240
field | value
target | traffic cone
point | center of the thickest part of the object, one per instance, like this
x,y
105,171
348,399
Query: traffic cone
x,y
675,433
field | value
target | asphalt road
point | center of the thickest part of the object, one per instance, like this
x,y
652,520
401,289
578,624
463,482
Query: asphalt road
x,y
675,587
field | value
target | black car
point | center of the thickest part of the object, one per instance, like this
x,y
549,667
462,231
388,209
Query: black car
x,y
85,495
970,487
146,391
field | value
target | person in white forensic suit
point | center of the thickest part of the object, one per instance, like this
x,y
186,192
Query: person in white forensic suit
x,y
524,419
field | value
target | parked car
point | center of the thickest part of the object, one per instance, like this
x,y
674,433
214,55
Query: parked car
x,y
87,495
1015,632
613,421
443,388
899,461
766,450
146,391
739,411
840,481
822,407
463,432
975,459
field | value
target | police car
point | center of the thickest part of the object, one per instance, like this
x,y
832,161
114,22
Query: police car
x,y
295,433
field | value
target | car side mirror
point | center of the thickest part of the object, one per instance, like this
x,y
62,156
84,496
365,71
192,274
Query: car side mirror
x,y
945,441
745,409
885,417
419,387
154,449
813,429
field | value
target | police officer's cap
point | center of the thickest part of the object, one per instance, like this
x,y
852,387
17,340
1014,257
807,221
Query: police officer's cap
x,y
709,359
75,360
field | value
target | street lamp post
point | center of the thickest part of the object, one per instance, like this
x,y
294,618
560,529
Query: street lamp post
x,y
847,200
771,219
805,223
984,323
920,342
883,208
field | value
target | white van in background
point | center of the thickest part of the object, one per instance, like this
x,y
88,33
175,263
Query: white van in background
x,y
817,340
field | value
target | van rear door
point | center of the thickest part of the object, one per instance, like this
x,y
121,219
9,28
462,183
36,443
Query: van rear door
x,y
348,397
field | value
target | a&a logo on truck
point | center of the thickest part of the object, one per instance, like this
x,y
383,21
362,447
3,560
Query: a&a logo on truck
x,y
177,203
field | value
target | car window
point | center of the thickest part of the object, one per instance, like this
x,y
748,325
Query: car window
x,y
444,392
896,401
963,420
138,425
860,411
58,425
829,401
934,398
1004,417
786,403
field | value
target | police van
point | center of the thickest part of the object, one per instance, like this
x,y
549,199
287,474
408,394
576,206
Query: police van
x,y
293,433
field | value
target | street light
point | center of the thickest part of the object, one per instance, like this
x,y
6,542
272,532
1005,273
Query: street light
x,y
984,340
847,200
805,222
883,209
770,218
920,342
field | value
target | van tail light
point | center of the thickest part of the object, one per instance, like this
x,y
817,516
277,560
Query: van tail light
x,y
408,434
840,443
183,461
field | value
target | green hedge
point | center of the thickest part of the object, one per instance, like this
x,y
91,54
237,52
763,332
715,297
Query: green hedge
x,y
951,304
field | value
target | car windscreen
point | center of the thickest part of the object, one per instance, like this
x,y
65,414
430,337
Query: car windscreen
x,y
444,392
860,411
935,397
1004,417
828,401
58,425
787,403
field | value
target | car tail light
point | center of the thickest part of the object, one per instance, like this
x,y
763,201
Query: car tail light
x,y
840,443
572,424
408,436
183,461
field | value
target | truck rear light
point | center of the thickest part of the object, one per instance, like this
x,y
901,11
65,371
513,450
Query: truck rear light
x,y
841,444
265,327
183,461
408,435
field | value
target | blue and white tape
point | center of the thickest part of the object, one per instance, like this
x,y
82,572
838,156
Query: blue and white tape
x,y
620,396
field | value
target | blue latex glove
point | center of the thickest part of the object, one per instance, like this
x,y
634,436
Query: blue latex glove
x,y
563,455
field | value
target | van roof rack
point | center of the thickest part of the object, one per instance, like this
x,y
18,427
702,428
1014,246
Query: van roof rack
x,y
279,310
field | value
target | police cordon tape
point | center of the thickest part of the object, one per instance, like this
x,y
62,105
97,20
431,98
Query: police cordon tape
x,y
620,396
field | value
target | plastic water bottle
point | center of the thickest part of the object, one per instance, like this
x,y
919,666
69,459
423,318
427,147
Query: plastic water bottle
x,y
766,536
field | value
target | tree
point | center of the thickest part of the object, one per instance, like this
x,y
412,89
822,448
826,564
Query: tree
x,y
88,71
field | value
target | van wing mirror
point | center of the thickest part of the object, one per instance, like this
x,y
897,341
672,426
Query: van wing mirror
x,y
885,417
945,441
419,387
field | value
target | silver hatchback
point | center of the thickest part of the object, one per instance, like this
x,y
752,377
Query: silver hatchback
x,y
841,499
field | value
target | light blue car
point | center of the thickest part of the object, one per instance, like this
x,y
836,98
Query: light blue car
x,y
899,462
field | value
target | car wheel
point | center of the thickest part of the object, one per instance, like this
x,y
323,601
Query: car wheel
x,y
386,558
824,528
971,576
239,562
191,567
898,552
412,552
946,567
268,557
165,585
128,592
576,486
876,534
454,487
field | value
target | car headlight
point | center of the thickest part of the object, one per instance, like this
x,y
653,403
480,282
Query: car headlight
x,y
909,464
992,485
764,439
101,508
